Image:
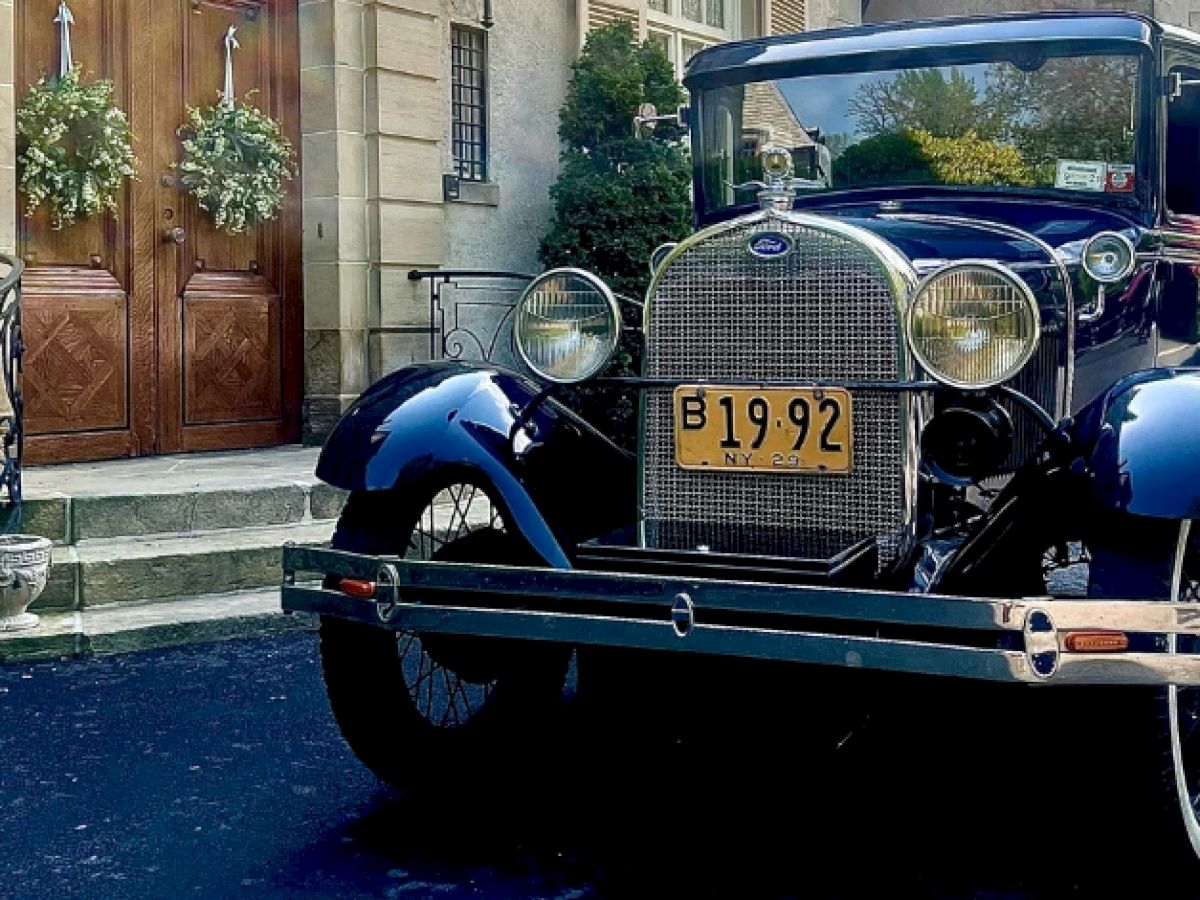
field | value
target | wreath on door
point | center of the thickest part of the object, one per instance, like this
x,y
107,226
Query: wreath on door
x,y
74,148
235,162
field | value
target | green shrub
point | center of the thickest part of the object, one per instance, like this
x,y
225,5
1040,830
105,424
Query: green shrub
x,y
918,157
969,159
617,197
891,158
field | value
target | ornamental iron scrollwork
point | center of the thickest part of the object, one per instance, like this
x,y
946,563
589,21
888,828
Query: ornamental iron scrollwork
x,y
12,349
470,312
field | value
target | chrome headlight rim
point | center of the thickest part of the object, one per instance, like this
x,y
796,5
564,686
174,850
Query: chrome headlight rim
x,y
614,308
1022,288
1126,270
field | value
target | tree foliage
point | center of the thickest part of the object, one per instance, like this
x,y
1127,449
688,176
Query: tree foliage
x,y
887,158
1072,107
1042,111
617,197
918,157
920,100
970,159
611,78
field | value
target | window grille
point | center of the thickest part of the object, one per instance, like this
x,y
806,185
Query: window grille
x,y
468,81
787,16
600,14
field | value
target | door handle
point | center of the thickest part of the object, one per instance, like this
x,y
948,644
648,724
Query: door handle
x,y
174,235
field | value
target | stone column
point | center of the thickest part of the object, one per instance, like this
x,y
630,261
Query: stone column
x,y
8,135
816,14
407,101
336,252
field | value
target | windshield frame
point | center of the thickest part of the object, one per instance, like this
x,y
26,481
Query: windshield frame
x,y
917,58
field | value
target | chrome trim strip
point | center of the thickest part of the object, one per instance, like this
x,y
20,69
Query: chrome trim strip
x,y
1177,255
639,614
1183,791
1064,275
820,601
928,266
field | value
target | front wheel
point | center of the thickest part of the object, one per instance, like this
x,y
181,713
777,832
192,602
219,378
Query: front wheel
x,y
415,707
1161,560
1183,704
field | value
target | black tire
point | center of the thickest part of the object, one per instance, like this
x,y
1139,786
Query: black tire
x,y
415,708
1160,745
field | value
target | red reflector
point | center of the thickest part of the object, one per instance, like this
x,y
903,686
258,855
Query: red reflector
x,y
356,587
1097,641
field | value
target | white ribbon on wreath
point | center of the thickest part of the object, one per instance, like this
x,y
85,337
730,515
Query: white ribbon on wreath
x,y
231,44
65,20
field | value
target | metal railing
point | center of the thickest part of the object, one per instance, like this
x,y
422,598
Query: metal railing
x,y
470,312
12,350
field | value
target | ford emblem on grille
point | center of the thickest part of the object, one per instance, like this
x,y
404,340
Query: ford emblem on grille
x,y
770,244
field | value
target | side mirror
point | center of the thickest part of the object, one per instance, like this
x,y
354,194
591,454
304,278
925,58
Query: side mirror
x,y
1176,83
647,118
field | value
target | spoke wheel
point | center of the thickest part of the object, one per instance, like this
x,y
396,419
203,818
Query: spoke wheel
x,y
411,704
1183,704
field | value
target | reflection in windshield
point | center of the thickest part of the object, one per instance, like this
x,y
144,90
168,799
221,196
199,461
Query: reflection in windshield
x,y
1061,122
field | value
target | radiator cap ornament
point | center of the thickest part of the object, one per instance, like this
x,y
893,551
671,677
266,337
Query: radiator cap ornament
x,y
770,244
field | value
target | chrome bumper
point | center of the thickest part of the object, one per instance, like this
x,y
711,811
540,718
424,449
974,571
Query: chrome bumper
x,y
805,624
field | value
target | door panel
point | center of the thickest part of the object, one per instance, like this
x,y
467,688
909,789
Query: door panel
x,y
137,344
88,310
231,345
76,326
233,300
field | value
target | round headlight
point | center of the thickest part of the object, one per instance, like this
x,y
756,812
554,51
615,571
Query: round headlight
x,y
973,325
567,325
1108,256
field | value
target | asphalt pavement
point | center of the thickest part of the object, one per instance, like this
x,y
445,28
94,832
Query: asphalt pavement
x,y
216,770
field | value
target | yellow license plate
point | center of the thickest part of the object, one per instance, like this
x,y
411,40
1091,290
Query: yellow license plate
x,y
804,430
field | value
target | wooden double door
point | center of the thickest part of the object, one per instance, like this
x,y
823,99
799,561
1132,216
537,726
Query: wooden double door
x,y
151,331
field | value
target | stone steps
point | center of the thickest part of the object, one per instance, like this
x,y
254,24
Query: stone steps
x,y
155,529
124,627
132,568
68,520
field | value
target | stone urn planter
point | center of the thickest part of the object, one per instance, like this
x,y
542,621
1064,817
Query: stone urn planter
x,y
24,567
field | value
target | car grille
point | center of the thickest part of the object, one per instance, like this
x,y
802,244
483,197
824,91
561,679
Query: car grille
x,y
825,311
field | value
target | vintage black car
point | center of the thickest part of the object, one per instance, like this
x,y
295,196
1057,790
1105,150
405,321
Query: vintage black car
x,y
932,342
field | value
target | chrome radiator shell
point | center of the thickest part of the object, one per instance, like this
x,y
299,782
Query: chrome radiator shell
x,y
829,310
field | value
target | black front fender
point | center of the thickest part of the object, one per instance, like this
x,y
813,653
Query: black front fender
x,y
559,479
1143,437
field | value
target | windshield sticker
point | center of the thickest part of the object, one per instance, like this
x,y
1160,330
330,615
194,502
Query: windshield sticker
x,y
1119,179
1080,175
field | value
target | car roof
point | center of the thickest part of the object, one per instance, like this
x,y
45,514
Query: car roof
x,y
827,50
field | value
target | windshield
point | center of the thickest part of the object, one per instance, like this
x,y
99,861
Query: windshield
x,y
1065,123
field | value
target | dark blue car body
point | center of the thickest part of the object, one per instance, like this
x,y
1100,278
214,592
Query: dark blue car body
x,y
1129,406
937,549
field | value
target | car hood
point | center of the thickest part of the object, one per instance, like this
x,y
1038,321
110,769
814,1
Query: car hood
x,y
935,230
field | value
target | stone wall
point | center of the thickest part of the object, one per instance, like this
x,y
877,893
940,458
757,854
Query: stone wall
x,y
1178,12
530,50
8,138
833,13
408,100
334,178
